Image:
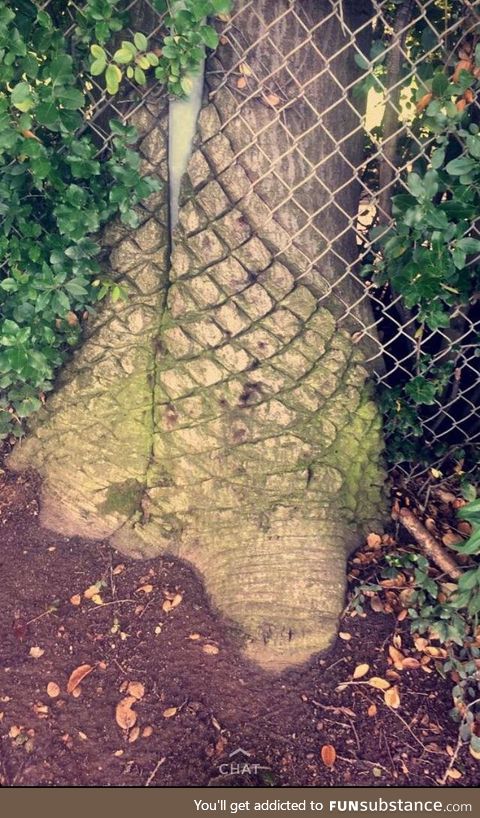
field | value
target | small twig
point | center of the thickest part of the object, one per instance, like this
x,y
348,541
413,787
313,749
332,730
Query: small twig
x,y
338,662
405,724
355,734
155,771
394,770
428,543
40,616
115,602
363,761
453,759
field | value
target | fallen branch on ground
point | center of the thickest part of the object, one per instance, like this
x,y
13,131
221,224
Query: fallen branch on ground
x,y
429,545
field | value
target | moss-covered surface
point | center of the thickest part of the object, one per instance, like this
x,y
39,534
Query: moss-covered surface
x,y
222,414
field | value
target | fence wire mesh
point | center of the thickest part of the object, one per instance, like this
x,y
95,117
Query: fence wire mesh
x,y
356,138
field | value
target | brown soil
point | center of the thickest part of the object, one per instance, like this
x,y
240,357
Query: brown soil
x,y
187,659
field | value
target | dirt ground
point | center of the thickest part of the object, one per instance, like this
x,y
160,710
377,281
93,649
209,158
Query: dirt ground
x,y
198,701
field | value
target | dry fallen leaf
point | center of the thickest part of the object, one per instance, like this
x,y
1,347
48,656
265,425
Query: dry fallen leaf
x,y
76,599
133,734
170,604
118,569
361,670
328,755
212,650
124,715
53,690
450,538
345,636
35,652
372,710
396,656
241,82
77,692
77,676
374,540
145,589
169,712
272,99
410,663
136,689
194,636
378,683
437,653
147,731
392,697
455,774
92,590
245,69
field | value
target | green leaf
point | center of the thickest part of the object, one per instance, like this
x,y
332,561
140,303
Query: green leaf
x,y
140,41
361,61
98,53
123,56
139,76
468,245
437,158
187,85
221,6
421,391
97,67
209,36
60,69
470,547
461,165
470,512
113,78
440,84
9,285
143,62
415,185
47,114
469,580
22,97
71,98
27,407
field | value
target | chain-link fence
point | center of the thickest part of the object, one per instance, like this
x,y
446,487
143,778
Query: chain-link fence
x,y
398,47
339,83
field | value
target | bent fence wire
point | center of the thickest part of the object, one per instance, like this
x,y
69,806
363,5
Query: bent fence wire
x,y
392,145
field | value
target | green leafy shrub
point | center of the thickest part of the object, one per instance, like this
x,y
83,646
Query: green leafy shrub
x,y
56,192
429,254
55,195
178,56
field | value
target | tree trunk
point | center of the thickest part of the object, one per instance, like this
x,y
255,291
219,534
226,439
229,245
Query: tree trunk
x,y
222,413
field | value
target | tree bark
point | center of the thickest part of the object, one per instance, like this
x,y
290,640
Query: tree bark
x,y
222,414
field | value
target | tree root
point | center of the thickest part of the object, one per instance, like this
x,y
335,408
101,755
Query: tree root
x,y
429,545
